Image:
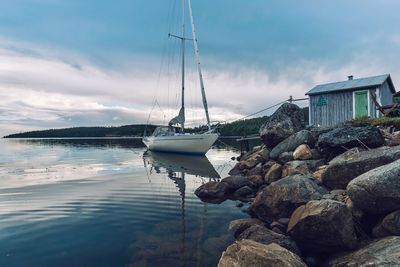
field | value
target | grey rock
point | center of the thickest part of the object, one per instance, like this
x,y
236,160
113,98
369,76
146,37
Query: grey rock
x,y
344,168
340,139
292,142
245,253
380,252
281,198
286,120
266,236
378,190
317,131
323,226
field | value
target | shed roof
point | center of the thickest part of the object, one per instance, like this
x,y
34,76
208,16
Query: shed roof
x,y
350,85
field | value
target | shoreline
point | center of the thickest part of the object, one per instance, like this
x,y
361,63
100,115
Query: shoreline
x,y
315,194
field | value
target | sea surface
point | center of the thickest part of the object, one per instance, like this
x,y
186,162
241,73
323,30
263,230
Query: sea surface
x,y
108,202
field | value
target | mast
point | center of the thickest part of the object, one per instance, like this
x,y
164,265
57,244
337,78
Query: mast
x,y
183,63
196,51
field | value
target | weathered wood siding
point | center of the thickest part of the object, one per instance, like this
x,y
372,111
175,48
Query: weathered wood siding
x,y
338,109
386,94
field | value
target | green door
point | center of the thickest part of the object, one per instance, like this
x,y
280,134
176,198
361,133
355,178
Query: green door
x,y
361,104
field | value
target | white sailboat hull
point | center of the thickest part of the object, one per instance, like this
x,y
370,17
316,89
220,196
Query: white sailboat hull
x,y
181,143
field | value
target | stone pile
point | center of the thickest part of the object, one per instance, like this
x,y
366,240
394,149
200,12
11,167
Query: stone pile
x,y
318,197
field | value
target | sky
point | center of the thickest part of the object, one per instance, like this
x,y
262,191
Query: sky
x,y
66,63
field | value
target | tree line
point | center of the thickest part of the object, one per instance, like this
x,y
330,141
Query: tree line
x,y
237,128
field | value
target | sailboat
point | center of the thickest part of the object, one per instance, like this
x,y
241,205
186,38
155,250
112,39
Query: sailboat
x,y
172,138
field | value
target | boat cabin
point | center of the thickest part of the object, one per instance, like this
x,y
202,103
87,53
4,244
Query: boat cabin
x,y
338,102
166,131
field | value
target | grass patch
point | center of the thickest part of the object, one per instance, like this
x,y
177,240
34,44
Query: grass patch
x,y
384,121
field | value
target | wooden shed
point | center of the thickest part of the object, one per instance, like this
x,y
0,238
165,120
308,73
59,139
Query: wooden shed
x,y
334,103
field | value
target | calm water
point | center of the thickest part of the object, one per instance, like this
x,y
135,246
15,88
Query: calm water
x,y
105,202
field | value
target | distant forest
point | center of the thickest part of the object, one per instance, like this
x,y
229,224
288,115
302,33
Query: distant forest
x,y
237,128
121,131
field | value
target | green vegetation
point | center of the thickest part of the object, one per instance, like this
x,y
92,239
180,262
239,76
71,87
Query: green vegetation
x,y
243,127
122,131
384,121
237,128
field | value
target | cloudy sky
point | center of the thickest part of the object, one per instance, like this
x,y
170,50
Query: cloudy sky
x,y
97,62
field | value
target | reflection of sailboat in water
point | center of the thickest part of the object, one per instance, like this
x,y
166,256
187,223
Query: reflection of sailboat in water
x,y
176,166
194,165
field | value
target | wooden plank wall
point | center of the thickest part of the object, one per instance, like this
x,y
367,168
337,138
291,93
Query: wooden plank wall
x,y
338,108
386,94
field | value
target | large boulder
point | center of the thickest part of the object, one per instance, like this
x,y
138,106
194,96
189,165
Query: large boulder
x,y
380,252
281,198
292,142
340,139
344,168
246,253
390,225
323,226
266,236
377,191
213,192
286,120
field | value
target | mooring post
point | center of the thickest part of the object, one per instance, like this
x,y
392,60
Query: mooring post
x,y
247,146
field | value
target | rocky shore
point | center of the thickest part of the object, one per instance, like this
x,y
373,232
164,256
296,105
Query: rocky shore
x,y
319,196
